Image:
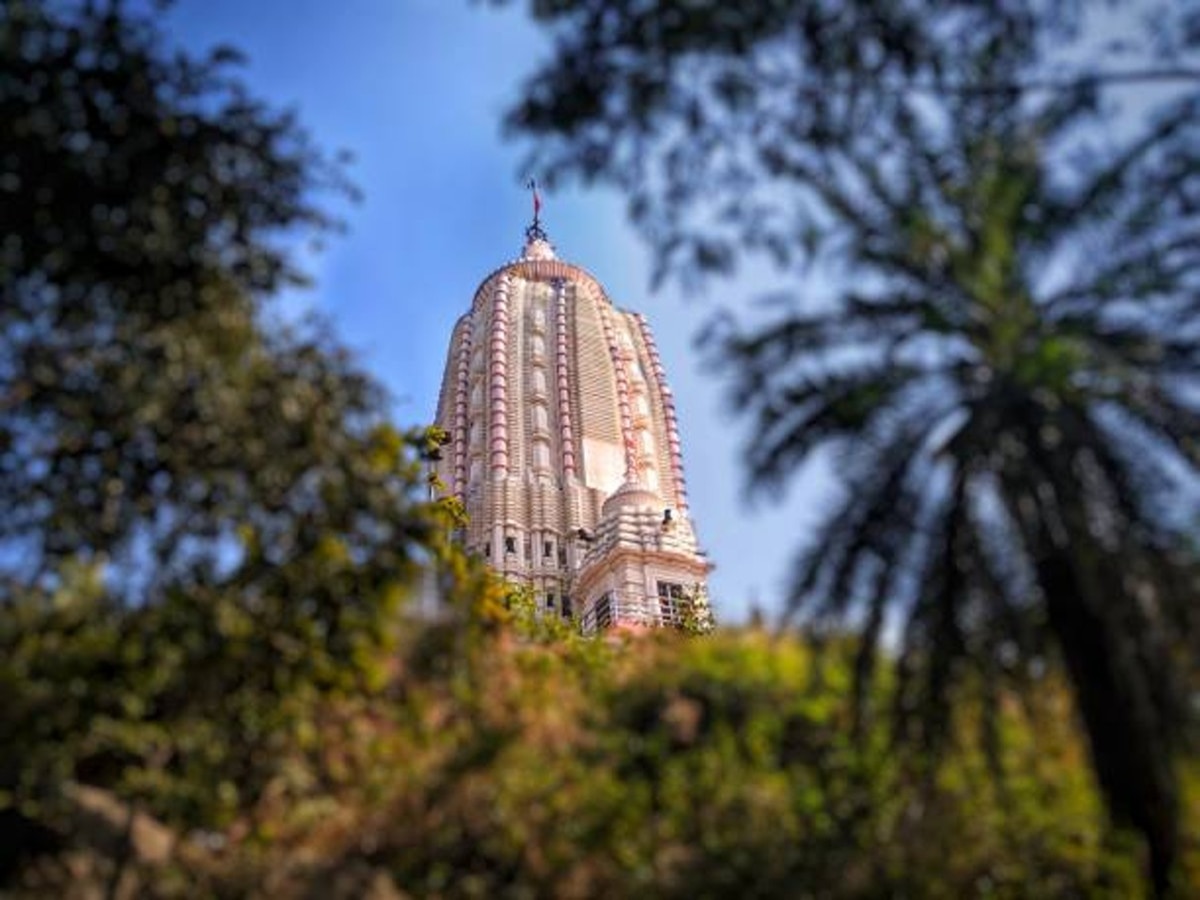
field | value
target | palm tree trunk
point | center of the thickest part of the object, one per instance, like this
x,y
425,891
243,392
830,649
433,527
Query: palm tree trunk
x,y
1133,763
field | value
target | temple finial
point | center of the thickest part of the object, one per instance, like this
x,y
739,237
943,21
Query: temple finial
x,y
534,231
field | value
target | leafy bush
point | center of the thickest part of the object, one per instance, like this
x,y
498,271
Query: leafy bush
x,y
505,762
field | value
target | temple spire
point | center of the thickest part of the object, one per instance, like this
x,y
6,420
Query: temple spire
x,y
537,244
534,232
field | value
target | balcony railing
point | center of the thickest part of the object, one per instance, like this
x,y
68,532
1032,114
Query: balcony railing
x,y
617,608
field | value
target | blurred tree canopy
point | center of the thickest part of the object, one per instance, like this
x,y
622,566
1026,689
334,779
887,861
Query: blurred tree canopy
x,y
988,214
146,204
517,763
158,427
206,520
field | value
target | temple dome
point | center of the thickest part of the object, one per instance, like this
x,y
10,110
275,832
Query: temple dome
x,y
631,495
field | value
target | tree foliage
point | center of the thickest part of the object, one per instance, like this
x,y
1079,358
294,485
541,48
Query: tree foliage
x,y
146,203
207,522
993,326
511,763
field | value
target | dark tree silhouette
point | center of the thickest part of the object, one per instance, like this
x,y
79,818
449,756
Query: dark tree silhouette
x,y
995,331
149,405
206,521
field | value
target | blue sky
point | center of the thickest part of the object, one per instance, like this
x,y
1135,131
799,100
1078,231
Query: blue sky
x,y
415,89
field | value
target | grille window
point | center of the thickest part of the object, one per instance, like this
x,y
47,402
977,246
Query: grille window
x,y
670,602
604,611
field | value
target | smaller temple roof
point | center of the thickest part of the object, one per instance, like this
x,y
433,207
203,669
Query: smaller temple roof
x,y
631,495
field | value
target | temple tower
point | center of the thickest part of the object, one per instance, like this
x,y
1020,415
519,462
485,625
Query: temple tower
x,y
564,447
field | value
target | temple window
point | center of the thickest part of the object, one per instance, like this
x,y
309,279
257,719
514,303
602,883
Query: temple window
x,y
670,601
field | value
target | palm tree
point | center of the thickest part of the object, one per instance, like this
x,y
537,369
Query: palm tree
x,y
1003,361
1010,394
